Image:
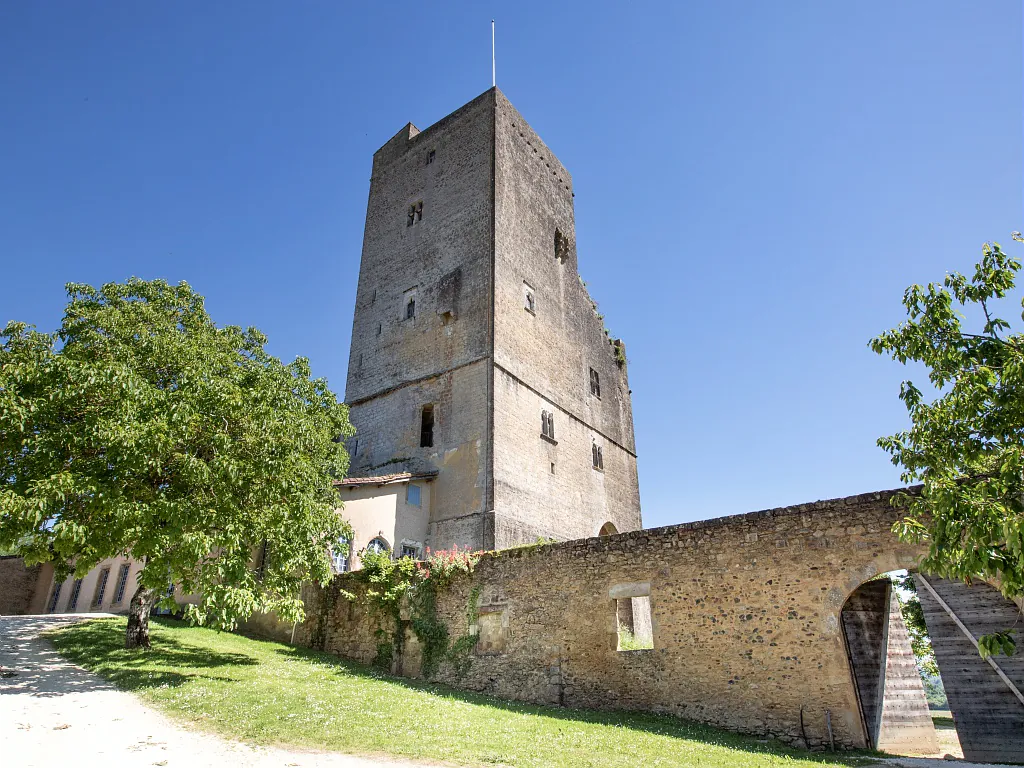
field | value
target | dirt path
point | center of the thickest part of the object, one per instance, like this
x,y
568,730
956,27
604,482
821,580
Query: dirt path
x,y
54,713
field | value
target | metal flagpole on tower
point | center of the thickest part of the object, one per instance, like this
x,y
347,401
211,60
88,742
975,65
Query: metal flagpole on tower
x,y
494,79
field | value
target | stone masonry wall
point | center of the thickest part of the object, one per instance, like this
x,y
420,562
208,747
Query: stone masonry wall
x,y
17,585
543,361
745,616
438,357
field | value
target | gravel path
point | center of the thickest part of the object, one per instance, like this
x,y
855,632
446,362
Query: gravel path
x,y
53,713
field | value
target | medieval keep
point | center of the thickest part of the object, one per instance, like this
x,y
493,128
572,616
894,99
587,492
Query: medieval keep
x,y
479,363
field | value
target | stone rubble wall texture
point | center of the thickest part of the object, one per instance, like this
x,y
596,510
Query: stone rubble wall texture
x,y
493,197
17,585
745,614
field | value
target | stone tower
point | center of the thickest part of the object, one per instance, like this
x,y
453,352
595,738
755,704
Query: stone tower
x,y
476,349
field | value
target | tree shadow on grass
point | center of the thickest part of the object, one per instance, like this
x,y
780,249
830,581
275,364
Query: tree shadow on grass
x,y
644,722
99,647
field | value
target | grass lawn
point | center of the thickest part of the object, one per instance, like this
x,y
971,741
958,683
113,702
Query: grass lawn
x,y
270,693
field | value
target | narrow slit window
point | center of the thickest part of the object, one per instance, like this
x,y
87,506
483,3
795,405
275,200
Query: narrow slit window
x,y
75,591
56,596
431,155
595,383
529,299
101,588
410,309
427,427
561,246
122,582
598,456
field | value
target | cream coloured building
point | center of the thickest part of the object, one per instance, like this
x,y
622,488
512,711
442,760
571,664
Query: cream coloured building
x,y
387,512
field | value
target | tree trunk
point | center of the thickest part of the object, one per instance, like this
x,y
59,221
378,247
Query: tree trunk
x,y
138,618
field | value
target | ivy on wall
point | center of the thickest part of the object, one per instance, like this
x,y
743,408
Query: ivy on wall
x,y
392,583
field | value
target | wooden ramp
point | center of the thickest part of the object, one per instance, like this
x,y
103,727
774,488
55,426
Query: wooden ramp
x,y
985,697
892,700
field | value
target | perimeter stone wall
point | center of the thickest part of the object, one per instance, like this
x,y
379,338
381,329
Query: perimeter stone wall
x,y
745,617
17,585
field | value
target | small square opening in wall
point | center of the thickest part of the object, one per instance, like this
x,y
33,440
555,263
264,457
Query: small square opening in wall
x,y
635,631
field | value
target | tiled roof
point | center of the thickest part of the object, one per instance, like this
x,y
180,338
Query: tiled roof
x,y
400,477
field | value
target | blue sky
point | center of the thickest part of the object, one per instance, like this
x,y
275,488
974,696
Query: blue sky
x,y
756,184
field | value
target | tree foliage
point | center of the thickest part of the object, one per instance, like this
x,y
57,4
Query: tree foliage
x,y
965,444
141,428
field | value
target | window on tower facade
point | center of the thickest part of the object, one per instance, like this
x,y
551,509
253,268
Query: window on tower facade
x,y
547,424
430,156
598,456
427,427
595,383
529,299
407,309
561,246
415,213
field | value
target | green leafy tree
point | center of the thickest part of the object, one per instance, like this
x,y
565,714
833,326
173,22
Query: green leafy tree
x,y
965,444
142,428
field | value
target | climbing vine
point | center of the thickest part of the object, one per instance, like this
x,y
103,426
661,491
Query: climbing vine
x,y
390,583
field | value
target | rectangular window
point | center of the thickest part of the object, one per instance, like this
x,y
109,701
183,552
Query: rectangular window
x,y
55,598
122,580
407,309
409,550
561,246
415,213
598,456
339,555
547,424
101,587
595,383
427,427
412,495
529,299
75,590
430,156
633,621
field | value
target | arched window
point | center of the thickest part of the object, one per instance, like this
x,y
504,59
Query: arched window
x,y
339,555
608,529
377,546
